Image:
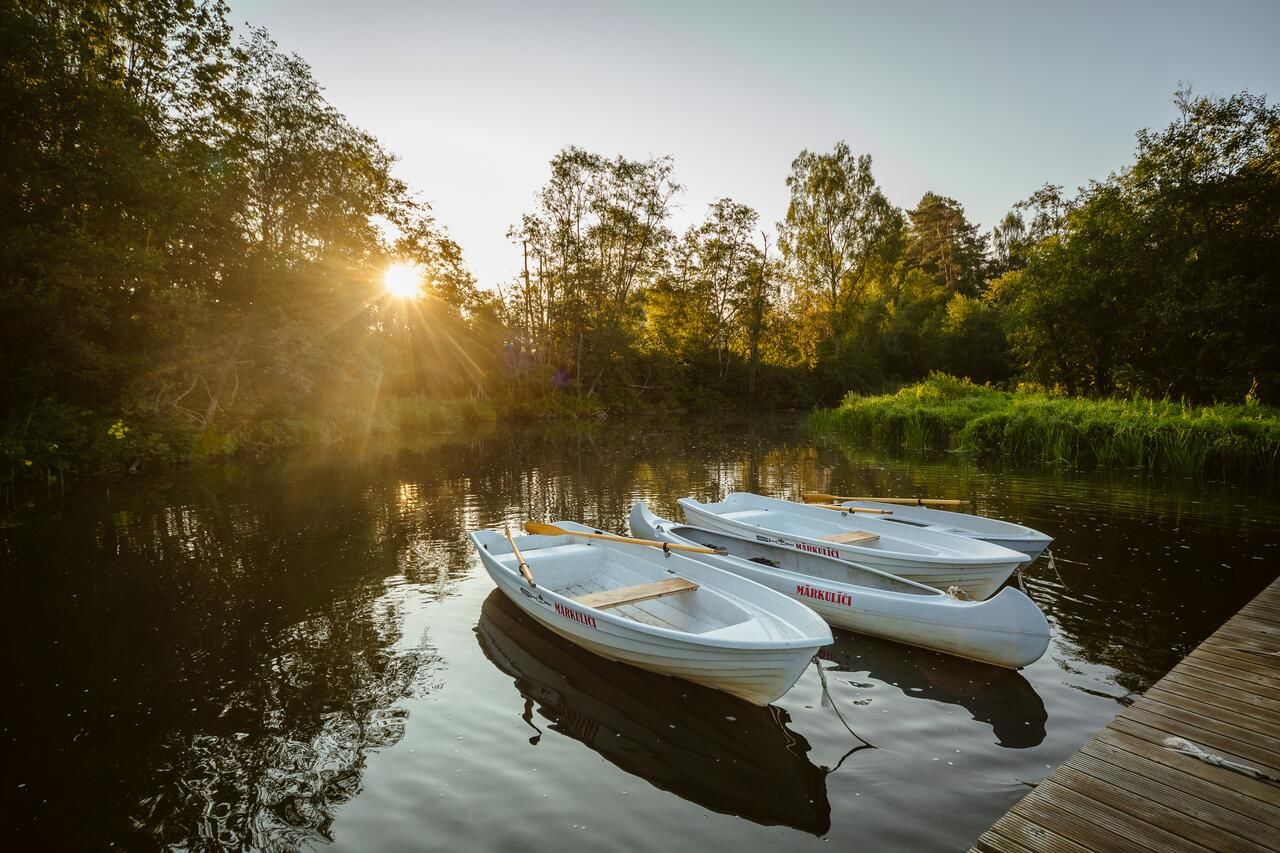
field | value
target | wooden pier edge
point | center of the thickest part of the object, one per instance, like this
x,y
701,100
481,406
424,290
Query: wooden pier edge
x,y
1126,790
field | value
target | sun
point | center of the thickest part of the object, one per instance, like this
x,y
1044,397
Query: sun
x,y
403,280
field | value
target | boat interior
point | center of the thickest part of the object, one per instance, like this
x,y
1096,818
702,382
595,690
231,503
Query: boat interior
x,y
799,525
809,565
642,590
947,522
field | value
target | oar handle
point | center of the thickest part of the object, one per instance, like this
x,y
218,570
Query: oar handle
x,y
524,567
538,527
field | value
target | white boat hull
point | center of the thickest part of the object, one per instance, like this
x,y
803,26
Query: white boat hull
x,y
1006,534
1007,630
938,559
757,659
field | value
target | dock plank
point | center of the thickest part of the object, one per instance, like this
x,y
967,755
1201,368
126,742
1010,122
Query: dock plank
x,y
1221,707
1190,817
1206,734
1187,679
1233,681
1163,728
1253,666
1025,834
1210,721
1240,810
1124,790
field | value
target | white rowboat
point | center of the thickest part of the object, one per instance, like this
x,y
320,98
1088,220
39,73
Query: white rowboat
x,y
1016,537
1007,630
663,612
941,560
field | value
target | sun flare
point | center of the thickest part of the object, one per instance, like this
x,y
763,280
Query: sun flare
x,y
403,280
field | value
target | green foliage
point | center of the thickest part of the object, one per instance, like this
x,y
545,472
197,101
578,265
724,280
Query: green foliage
x,y
944,244
1138,432
192,242
838,225
1163,278
192,238
58,438
597,237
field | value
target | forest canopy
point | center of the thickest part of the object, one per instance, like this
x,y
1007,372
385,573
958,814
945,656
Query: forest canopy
x,y
193,243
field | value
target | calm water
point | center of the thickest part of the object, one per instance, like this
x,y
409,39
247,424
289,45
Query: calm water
x,y
308,655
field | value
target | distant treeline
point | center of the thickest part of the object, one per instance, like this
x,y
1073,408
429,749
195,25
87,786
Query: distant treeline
x,y
192,243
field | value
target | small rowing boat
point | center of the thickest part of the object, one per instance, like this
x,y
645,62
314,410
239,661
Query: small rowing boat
x,y
1007,630
1004,533
941,560
656,608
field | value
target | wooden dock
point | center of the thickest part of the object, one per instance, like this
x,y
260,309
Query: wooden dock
x,y
1125,790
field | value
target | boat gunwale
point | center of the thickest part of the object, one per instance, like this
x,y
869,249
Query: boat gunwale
x,y
926,591
960,559
1018,531
624,623
668,527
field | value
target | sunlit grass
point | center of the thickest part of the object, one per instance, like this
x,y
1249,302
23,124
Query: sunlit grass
x,y
947,413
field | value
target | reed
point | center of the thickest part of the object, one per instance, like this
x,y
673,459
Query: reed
x,y
1157,435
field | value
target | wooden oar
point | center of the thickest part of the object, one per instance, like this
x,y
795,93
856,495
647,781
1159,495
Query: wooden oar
x,y
524,567
820,497
551,530
853,509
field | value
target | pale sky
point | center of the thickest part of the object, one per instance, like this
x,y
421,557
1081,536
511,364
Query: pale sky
x,y
981,101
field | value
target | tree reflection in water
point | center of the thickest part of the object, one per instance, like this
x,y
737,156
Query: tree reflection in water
x,y
290,748
238,653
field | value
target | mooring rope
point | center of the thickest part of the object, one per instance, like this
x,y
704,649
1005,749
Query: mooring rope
x,y
1186,747
1053,565
826,696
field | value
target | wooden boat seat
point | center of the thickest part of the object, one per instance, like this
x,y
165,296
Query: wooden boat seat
x,y
851,536
633,594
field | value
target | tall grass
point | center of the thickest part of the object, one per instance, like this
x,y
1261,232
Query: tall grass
x,y
1158,435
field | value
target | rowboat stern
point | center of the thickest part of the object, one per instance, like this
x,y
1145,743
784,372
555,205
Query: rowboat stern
x,y
1021,627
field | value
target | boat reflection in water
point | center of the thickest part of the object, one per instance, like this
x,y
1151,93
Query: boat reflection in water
x,y
721,753
1003,698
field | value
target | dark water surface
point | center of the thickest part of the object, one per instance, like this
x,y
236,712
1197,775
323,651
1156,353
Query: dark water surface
x,y
308,655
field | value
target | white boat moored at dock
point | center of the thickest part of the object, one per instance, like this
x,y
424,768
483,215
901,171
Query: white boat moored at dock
x,y
659,610
941,560
1006,630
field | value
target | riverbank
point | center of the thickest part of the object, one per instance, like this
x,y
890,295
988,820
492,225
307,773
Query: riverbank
x,y
1158,435
59,440
56,440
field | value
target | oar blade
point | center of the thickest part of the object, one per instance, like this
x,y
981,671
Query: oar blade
x,y
539,528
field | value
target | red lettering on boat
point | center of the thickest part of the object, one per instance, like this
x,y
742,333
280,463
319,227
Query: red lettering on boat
x,y
576,616
817,549
830,596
